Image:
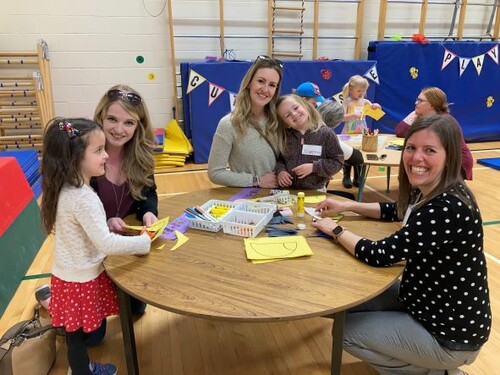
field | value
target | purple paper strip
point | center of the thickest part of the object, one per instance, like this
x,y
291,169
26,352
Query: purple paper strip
x,y
245,193
182,225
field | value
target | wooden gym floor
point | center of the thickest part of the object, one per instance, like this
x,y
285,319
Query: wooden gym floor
x,y
178,345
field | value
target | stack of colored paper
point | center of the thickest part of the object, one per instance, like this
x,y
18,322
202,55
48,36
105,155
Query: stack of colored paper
x,y
176,147
271,249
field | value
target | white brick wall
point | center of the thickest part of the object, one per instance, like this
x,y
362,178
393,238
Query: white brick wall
x,y
94,43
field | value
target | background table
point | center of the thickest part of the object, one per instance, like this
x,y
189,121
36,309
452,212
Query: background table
x,y
391,158
210,277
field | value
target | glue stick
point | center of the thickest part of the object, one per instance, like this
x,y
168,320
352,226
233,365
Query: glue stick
x,y
300,204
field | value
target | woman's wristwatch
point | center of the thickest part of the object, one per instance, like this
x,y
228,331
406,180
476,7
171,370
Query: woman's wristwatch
x,y
337,231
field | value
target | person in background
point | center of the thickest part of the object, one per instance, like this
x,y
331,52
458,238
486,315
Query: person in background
x,y
246,143
310,91
438,316
82,295
312,154
431,101
332,114
354,92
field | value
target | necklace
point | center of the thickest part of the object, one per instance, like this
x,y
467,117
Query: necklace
x,y
118,204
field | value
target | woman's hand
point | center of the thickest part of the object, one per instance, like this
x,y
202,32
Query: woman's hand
x,y
149,219
326,225
268,180
116,224
285,179
329,207
303,170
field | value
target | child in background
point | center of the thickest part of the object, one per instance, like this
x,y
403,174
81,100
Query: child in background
x,y
312,154
82,294
354,93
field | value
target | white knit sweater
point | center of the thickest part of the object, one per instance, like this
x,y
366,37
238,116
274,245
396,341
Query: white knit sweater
x,y
82,237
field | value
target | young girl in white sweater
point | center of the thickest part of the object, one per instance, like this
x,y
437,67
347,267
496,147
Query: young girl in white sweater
x,y
82,294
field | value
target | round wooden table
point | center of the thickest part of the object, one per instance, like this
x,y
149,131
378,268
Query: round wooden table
x,y
210,276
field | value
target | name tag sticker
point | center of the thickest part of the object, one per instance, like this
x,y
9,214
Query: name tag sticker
x,y
313,150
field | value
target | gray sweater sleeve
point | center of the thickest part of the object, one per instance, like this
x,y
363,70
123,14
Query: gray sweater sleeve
x,y
234,159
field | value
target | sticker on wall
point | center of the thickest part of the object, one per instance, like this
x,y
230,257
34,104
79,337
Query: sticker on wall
x,y
151,76
326,74
139,59
490,101
414,72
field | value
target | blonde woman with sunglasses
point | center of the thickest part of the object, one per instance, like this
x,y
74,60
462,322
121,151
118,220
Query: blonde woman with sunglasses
x,y
127,186
246,143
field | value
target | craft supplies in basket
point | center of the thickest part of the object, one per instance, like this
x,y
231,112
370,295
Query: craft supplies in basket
x,y
215,208
244,219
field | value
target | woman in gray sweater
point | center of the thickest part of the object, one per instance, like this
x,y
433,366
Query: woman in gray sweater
x,y
246,143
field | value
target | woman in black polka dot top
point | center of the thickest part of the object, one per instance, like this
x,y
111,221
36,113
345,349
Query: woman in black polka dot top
x,y
438,317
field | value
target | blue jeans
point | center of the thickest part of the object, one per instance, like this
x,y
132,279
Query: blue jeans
x,y
381,333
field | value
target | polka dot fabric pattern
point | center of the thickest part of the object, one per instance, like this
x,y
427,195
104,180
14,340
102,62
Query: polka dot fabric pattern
x,y
74,305
444,284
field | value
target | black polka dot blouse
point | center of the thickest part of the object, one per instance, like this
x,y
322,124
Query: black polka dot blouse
x,y
444,283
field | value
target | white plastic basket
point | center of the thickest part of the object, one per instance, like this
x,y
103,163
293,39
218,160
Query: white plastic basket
x,y
282,198
211,226
258,208
244,223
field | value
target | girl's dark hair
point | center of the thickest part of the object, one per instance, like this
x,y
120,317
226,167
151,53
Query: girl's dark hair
x,y
448,131
64,144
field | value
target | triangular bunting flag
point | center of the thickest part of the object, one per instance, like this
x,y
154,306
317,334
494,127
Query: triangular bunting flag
x,y
232,100
493,53
195,80
373,74
478,63
463,64
339,97
447,58
214,92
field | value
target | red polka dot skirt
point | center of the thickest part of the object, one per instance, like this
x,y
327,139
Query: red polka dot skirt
x,y
74,305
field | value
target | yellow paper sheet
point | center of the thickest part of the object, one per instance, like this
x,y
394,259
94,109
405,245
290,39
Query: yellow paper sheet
x,y
397,142
312,199
181,240
375,113
156,228
277,247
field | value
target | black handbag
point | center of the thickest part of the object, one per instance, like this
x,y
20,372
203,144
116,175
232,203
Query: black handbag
x,y
28,347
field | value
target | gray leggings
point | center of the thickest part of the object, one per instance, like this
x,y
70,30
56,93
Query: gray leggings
x,y
382,334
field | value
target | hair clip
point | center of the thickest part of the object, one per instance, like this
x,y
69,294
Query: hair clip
x,y
68,128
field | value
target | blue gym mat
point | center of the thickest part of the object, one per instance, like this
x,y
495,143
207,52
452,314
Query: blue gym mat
x,y
490,162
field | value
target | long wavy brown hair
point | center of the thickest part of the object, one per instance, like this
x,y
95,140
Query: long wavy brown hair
x,y
241,117
64,143
138,162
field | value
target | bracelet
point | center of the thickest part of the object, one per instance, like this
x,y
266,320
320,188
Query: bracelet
x,y
256,181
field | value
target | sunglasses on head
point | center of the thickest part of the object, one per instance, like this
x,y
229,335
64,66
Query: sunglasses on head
x,y
130,97
275,61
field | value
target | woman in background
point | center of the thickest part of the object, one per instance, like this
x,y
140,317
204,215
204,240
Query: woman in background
x,y
432,101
